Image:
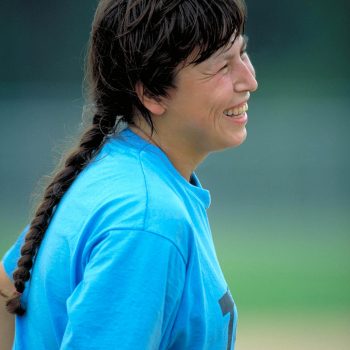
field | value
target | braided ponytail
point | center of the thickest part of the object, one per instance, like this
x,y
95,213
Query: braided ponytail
x,y
91,141
131,42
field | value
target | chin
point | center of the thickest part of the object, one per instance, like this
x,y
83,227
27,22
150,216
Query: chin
x,y
238,139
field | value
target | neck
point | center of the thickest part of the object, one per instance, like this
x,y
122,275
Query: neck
x,y
184,161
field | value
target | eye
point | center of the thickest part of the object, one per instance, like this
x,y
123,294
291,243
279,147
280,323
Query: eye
x,y
223,68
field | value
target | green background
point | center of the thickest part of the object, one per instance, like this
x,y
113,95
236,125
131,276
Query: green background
x,y
280,202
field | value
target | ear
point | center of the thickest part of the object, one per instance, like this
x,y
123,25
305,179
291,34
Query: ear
x,y
152,103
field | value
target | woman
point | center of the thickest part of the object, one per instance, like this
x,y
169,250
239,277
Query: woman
x,y
119,253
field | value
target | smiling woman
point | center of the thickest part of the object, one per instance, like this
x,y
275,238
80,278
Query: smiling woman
x,y
119,253
207,110
201,109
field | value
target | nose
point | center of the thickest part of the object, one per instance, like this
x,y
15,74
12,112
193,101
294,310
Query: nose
x,y
245,77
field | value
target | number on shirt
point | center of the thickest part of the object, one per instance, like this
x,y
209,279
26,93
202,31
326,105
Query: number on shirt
x,y
227,306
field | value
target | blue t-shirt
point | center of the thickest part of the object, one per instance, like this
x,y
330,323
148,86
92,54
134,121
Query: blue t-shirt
x,y
127,262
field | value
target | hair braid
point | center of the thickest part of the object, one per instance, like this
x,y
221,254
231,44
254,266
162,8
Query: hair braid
x,y
141,41
91,141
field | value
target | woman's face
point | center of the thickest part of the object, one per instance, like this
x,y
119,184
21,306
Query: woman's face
x,y
207,110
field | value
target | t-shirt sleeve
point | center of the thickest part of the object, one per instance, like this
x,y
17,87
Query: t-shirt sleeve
x,y
11,257
129,294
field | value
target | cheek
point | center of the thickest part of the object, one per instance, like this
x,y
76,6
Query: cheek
x,y
222,92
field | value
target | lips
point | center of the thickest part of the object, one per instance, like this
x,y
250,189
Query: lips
x,y
236,111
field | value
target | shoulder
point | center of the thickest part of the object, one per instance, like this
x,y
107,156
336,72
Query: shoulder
x,y
127,187
109,193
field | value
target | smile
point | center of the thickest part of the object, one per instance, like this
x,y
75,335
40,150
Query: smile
x,y
237,111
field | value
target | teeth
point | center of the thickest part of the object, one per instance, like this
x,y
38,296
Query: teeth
x,y
236,111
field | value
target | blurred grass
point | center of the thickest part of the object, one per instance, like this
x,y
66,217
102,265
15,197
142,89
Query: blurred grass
x,y
289,275
294,332
285,264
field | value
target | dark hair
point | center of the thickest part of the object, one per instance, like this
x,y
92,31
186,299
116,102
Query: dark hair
x,y
131,41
